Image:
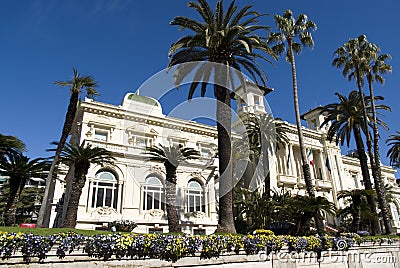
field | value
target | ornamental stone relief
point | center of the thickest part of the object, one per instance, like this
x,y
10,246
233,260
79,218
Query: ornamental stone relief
x,y
157,170
156,213
103,211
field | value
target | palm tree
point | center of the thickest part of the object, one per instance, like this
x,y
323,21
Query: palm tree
x,y
80,157
227,39
28,204
76,85
376,69
264,135
354,209
8,143
355,58
289,29
346,117
394,150
18,169
171,157
304,208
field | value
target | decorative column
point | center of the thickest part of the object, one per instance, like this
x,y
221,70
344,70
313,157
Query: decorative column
x,y
286,160
205,192
90,195
119,196
292,164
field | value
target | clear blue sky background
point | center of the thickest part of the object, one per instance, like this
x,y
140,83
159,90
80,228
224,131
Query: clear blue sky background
x,y
122,43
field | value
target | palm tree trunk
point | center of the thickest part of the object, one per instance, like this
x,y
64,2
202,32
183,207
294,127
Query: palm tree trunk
x,y
11,207
305,165
45,208
357,213
73,204
379,187
366,178
172,213
224,117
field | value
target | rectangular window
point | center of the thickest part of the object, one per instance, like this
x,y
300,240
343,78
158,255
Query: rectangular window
x,y
94,195
108,197
100,197
155,231
199,232
100,135
354,176
191,203
205,152
141,142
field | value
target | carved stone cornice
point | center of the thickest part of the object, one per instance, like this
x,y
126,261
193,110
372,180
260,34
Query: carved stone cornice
x,y
168,122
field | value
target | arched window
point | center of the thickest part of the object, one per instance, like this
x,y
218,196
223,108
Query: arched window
x,y
195,197
105,190
154,196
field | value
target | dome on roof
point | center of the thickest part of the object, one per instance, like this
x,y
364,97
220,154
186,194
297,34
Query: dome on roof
x,y
142,99
142,104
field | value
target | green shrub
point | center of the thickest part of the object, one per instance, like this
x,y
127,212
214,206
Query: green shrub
x,y
122,225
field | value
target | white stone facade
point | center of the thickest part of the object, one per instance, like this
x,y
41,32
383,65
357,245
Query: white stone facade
x,y
133,187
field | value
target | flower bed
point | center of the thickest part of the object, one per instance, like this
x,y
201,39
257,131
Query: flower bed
x,y
163,246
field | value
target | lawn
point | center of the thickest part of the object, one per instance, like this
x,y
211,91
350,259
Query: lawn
x,y
49,231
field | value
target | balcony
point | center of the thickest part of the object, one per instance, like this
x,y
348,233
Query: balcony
x,y
327,185
287,179
113,147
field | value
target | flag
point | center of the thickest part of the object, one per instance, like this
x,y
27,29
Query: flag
x,y
328,164
310,157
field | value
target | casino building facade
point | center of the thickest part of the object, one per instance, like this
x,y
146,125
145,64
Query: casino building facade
x,y
133,188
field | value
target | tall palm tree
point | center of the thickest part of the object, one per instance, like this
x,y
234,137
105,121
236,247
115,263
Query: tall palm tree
x,y
171,157
290,29
377,67
227,39
346,117
394,150
355,58
355,207
76,85
8,143
80,157
18,169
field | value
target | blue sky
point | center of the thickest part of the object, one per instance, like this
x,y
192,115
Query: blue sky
x,y
122,43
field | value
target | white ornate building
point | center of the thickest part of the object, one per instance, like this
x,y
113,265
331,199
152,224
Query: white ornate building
x,y
134,187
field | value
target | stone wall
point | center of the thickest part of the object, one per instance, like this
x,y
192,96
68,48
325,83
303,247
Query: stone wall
x,y
364,256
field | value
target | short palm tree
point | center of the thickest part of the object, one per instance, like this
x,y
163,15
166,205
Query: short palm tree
x,y
305,208
8,143
355,58
171,157
18,169
394,150
80,157
76,85
227,39
264,135
290,29
354,209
